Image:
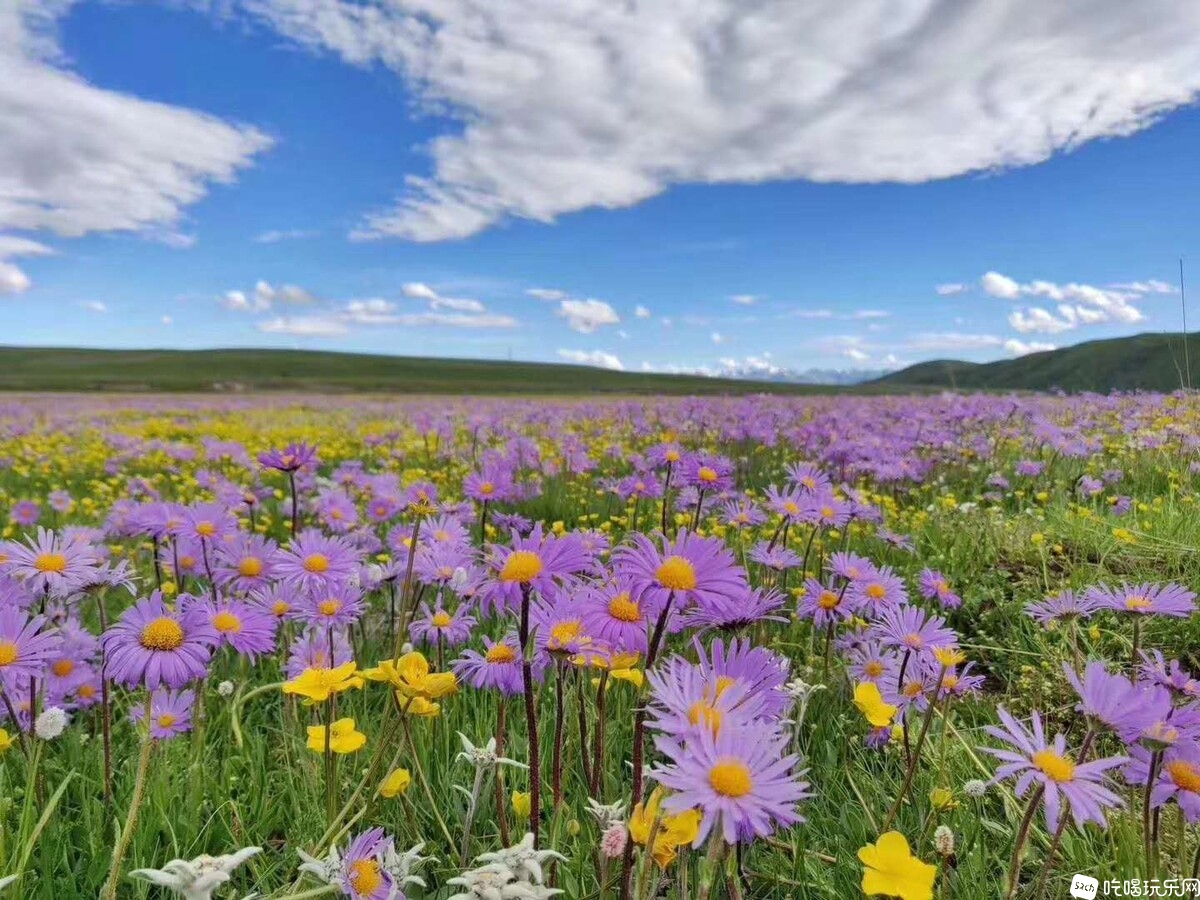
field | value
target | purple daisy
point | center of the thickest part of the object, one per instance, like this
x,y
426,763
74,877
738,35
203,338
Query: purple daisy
x,y
1118,703
612,616
1084,786
170,713
364,875
759,670
910,628
1062,606
539,562
152,645
26,646
877,591
451,627
290,459
497,668
691,569
933,585
311,651
1147,599
685,699
245,562
740,778
331,607
49,564
734,614
248,629
824,605
314,561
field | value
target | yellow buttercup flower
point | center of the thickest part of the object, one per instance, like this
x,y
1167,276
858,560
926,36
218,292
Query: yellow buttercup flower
x,y
522,803
343,737
942,799
889,868
410,676
872,705
318,685
396,783
419,706
6,740
674,831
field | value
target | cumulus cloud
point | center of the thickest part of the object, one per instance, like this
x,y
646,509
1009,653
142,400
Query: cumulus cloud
x,y
598,358
421,291
1077,304
12,279
856,354
641,312
304,326
585,316
77,159
95,306
950,289
550,295
1021,348
265,296
274,236
744,299
566,106
1001,286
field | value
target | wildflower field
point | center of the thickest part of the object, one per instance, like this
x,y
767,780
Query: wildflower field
x,y
805,647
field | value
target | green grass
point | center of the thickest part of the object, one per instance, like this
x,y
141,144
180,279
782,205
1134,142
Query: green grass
x,y
307,371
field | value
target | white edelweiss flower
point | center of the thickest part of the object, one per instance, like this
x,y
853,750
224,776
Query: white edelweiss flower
x,y
196,879
497,882
401,865
485,756
522,859
225,688
325,870
50,723
606,814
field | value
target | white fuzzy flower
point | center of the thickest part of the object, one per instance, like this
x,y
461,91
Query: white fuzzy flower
x,y
485,756
225,688
975,788
521,859
943,840
401,865
606,815
198,878
50,723
325,870
496,882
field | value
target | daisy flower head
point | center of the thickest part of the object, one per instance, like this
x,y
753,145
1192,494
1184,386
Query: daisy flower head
x,y
291,458
311,650
761,672
154,646
540,562
1064,606
808,477
1125,707
559,626
824,605
209,522
743,513
740,778
364,874
247,628
49,564
314,561
1147,599
1035,760
245,562
612,616
878,591
170,713
497,668
851,566
1178,778
686,700
691,570
737,613
706,472
778,558
933,585
910,628
27,646
451,627
330,606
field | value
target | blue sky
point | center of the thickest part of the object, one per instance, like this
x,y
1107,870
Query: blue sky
x,y
880,185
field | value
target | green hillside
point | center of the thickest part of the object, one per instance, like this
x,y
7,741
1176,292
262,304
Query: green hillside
x,y
1152,362
58,369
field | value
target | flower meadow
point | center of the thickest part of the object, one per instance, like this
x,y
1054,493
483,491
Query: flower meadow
x,y
911,647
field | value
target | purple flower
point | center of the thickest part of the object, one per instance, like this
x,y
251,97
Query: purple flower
x,y
151,645
851,566
1116,702
290,459
685,700
612,616
692,569
334,606
497,668
933,585
909,628
453,628
735,613
25,513
1146,599
759,670
1066,605
740,778
50,564
877,591
1033,759
316,562
25,646
170,713
246,628
539,562
245,562
311,651
363,875
824,605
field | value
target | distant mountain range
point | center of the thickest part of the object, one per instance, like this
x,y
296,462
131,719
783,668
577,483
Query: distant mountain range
x,y
778,375
1148,362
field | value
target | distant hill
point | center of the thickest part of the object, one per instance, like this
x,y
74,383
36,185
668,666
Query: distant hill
x,y
1150,362
232,371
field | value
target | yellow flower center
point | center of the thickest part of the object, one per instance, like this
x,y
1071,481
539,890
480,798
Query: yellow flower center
x,y
226,622
808,481
876,592
442,535
522,566
365,877
873,668
250,567
724,683
950,682
676,574
730,778
827,512
440,619
86,692
1185,775
187,562
50,562
914,689
1056,768
9,653
622,608
1136,602
792,509
280,608
317,563
166,720
704,713
941,587
487,489
329,607
206,529
828,600
162,634
563,633
501,653
706,474
63,667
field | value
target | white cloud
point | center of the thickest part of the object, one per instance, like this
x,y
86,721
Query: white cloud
x,y
1020,348
304,326
744,299
76,159
167,320
598,358
871,314
1149,286
585,316
419,291
641,312
12,279
566,106
547,294
717,337
952,340
1001,286
855,354
1077,304
1037,319
276,235
951,288
95,306
809,314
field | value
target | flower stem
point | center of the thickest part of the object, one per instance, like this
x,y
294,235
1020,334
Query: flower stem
x,y
135,803
1014,866
535,757
915,761
556,762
